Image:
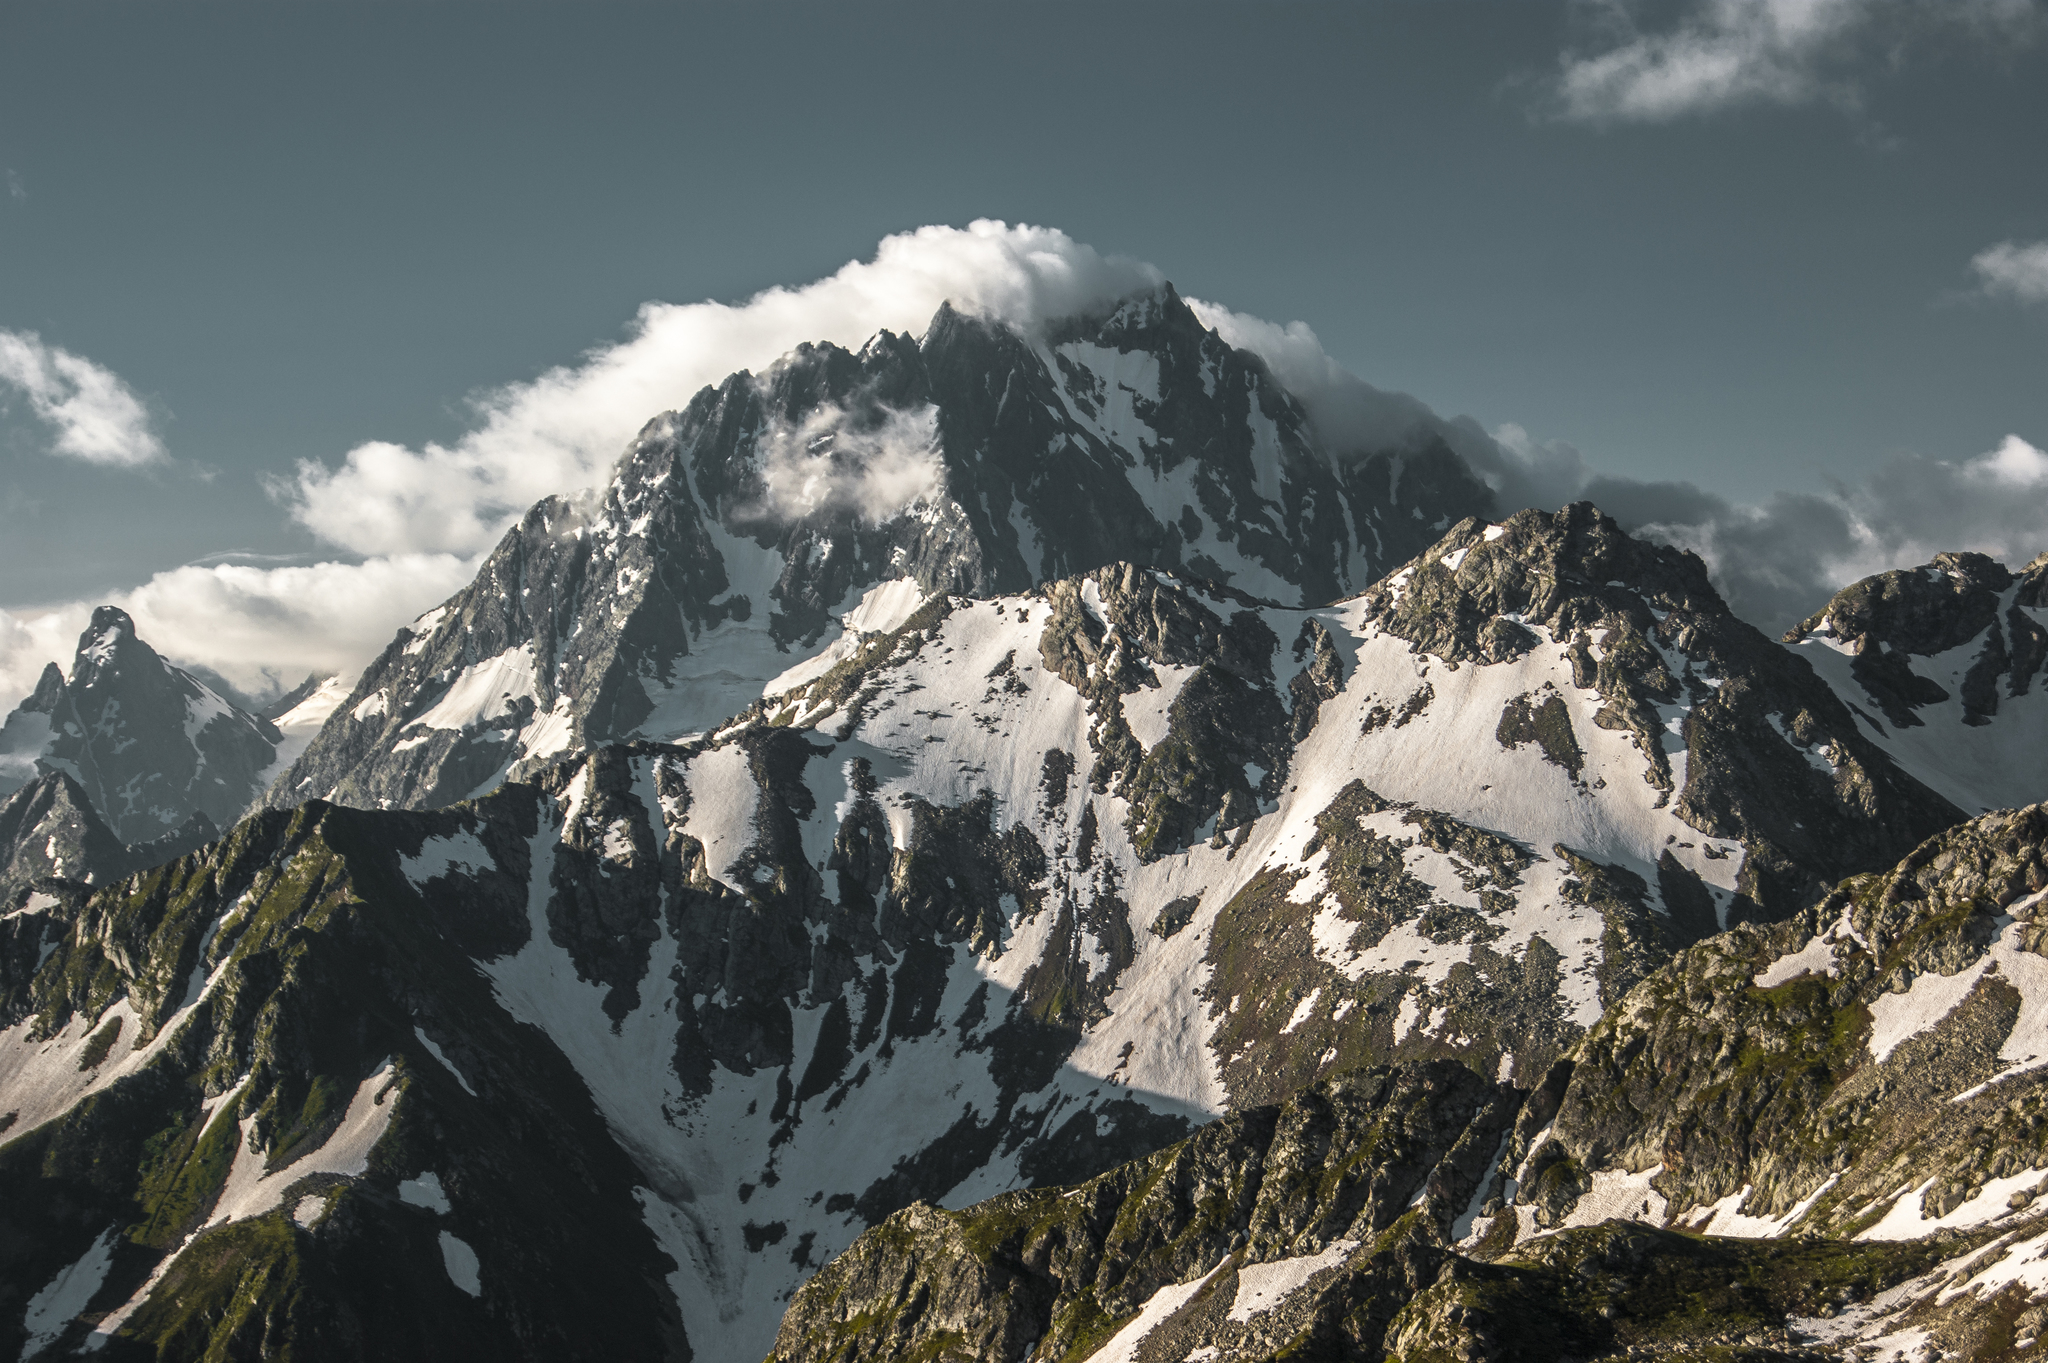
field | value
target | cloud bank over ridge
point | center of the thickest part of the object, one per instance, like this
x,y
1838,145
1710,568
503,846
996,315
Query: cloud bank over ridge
x,y
1777,563
411,525
564,429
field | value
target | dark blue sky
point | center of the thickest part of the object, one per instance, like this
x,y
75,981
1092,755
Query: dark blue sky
x,y
292,229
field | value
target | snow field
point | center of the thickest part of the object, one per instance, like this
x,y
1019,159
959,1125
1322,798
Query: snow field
x,y
65,1295
1895,1018
1261,1287
249,1191
1157,1310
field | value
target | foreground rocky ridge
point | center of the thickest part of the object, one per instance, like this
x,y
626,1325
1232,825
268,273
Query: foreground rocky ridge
x,y
738,533
259,1101
1812,1140
1364,1172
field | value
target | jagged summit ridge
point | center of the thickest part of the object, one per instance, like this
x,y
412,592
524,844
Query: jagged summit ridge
x,y
739,532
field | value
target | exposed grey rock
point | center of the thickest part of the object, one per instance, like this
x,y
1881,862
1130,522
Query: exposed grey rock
x,y
1748,712
1893,617
49,829
1366,1172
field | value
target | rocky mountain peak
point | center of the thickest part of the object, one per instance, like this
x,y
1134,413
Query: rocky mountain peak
x,y
1960,598
738,534
49,690
101,648
149,745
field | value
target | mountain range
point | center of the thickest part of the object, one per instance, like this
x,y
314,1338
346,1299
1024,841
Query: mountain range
x,y
1006,844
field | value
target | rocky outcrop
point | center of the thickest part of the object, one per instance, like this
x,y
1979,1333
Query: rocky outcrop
x,y
1940,664
1890,619
49,829
1884,1038
1772,756
272,1108
1624,1291
1300,1227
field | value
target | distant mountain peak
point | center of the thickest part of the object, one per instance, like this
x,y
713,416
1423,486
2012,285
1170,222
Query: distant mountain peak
x,y
148,744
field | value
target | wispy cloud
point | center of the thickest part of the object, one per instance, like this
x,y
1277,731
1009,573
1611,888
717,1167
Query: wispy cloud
x,y
91,413
16,190
1722,54
1780,561
2013,269
262,628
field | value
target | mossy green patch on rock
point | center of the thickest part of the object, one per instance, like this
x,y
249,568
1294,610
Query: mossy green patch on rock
x,y
1379,1161
1621,1289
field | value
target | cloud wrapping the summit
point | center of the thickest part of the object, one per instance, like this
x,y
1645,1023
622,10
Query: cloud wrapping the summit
x,y
423,518
564,429
832,463
92,414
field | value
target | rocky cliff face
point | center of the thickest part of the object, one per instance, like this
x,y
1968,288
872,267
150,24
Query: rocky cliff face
x,y
740,534
260,1101
1297,1230
154,753
1866,1072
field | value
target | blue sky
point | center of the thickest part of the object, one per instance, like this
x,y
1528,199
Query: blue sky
x,y
1774,248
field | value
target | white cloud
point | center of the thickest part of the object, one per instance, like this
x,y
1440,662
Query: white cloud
x,y
261,628
564,429
1726,53
2016,269
92,413
1348,413
831,462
